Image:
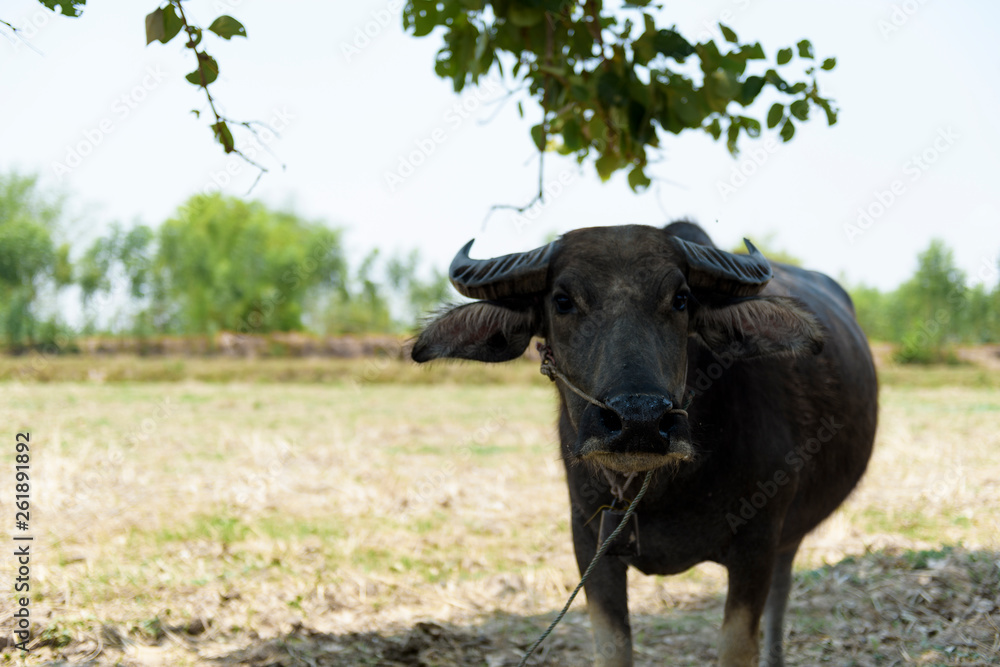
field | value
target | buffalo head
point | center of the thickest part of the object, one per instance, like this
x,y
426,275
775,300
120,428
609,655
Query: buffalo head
x,y
618,307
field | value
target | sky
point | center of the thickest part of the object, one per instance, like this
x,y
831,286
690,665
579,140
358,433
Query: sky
x,y
107,120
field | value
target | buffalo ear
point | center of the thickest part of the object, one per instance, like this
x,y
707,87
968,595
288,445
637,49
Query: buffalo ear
x,y
759,327
481,331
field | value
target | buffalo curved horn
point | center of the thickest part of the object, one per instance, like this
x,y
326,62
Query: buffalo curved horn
x,y
515,274
720,271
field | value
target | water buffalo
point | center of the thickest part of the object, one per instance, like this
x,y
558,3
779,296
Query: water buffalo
x,y
750,389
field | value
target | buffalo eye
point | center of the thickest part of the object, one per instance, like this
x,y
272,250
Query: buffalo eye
x,y
680,301
563,304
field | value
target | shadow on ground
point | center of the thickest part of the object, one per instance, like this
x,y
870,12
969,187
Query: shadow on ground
x,y
885,608
499,641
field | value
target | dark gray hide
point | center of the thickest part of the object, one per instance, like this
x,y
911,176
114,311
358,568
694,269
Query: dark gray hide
x,y
778,432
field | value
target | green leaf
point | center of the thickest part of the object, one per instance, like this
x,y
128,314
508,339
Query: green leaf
x,y
775,80
572,135
525,17
753,51
800,109
784,56
223,135
775,115
597,130
684,107
728,34
734,62
831,113
805,49
787,130
554,71
672,45
71,8
606,165
732,135
751,126
227,27
637,179
155,30
580,93
751,88
162,25
720,87
207,68
714,128
711,59
612,90
424,20
829,64
538,136
172,23
648,23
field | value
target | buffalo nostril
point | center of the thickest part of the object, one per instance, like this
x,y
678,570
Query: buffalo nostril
x,y
611,420
666,423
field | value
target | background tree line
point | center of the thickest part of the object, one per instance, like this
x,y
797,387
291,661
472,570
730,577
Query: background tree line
x,y
218,264
224,264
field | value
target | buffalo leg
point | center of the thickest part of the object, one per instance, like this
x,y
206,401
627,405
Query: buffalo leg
x,y
774,611
748,588
607,601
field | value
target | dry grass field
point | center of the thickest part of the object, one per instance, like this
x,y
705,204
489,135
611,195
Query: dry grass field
x,y
370,513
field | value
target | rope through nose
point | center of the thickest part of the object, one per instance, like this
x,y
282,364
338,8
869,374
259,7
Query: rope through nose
x,y
549,370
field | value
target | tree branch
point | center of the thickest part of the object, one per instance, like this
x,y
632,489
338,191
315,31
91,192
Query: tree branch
x,y
220,127
17,36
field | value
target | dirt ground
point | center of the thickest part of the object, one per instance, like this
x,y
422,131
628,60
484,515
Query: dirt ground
x,y
264,524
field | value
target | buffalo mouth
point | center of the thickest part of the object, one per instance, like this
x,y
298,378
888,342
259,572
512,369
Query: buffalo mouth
x,y
628,462
633,446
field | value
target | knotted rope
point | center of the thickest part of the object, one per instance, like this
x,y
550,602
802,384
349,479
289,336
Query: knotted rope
x,y
590,568
549,369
